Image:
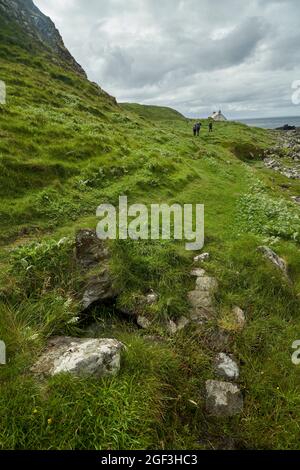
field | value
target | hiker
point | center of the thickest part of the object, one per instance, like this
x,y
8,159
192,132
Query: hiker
x,y
195,130
198,128
210,127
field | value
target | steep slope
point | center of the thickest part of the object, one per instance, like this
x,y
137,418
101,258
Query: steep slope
x,y
66,147
22,16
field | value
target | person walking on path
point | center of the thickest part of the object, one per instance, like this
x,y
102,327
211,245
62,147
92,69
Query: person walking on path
x,y
210,127
198,128
195,130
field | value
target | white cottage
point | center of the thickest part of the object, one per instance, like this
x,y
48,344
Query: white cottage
x,y
218,116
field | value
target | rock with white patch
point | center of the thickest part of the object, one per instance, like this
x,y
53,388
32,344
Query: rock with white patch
x,y
201,258
151,298
80,357
223,399
226,367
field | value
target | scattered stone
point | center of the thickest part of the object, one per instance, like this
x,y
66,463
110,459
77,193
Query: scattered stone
x,y
296,199
201,299
151,298
198,272
239,318
202,306
274,258
172,327
223,399
201,258
206,284
80,357
144,323
221,340
226,367
176,326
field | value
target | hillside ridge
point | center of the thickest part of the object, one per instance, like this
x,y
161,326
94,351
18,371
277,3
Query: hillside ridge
x,y
39,27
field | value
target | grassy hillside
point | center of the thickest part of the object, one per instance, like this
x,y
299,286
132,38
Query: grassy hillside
x,y
65,148
153,113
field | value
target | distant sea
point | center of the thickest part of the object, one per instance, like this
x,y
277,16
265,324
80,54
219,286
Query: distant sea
x,y
271,123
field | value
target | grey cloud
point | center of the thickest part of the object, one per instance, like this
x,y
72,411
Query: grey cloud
x,y
194,55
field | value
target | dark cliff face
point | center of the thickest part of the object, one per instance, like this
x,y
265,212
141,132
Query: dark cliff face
x,y
39,27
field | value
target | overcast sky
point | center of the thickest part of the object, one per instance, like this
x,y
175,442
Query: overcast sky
x,y
194,55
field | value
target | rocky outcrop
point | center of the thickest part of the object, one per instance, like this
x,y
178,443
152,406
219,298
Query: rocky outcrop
x,y
80,357
39,27
92,256
278,262
287,148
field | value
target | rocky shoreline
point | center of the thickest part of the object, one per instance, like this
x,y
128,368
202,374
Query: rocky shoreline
x,y
284,157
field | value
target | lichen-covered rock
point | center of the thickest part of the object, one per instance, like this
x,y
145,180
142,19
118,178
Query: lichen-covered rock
x,y
223,399
80,357
226,367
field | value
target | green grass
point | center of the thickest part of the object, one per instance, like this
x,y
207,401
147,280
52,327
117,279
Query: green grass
x,y
65,148
153,113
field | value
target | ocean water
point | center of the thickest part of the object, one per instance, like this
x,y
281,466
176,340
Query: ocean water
x,y
272,123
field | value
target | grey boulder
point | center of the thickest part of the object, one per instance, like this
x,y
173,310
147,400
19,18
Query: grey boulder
x,y
80,357
223,399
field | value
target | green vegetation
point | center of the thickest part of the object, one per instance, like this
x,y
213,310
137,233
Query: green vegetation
x,y
65,148
153,113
